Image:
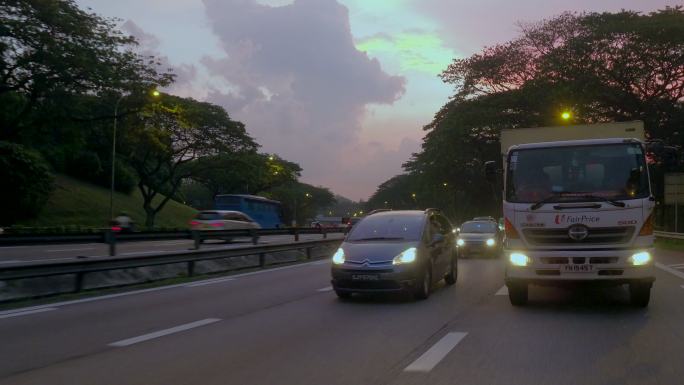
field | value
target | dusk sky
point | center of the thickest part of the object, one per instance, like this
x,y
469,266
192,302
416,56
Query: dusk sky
x,y
342,87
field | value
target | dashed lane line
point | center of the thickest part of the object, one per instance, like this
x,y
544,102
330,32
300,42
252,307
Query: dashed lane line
x,y
165,332
436,353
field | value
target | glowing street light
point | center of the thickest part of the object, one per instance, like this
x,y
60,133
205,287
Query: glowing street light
x,y
445,184
566,115
156,93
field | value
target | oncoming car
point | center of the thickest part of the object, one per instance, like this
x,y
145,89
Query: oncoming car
x,y
212,220
479,237
396,251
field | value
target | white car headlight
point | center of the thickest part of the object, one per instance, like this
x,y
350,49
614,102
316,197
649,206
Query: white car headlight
x,y
460,242
406,256
640,258
338,257
519,259
491,242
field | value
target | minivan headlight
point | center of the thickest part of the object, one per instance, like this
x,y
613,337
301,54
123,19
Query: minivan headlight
x,y
460,242
338,257
491,242
406,256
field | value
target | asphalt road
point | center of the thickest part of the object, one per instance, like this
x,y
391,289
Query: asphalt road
x,y
285,326
64,252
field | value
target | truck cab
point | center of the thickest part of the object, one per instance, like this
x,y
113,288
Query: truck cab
x,y
578,212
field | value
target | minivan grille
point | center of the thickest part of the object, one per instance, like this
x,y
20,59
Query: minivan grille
x,y
597,236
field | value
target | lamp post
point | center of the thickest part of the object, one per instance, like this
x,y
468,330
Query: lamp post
x,y
111,191
155,93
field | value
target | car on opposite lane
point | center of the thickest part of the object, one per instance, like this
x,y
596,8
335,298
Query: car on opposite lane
x,y
395,251
481,236
213,220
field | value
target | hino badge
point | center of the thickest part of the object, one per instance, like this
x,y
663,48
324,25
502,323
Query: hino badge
x,y
578,208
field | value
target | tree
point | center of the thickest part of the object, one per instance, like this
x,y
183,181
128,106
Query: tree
x,y
162,143
27,183
301,201
603,66
52,50
243,172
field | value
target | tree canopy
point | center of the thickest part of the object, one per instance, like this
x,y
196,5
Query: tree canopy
x,y
601,66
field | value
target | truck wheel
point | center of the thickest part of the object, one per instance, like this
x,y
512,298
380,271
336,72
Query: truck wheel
x,y
517,294
422,291
452,275
639,294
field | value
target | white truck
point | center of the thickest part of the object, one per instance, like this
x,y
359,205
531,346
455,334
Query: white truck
x,y
577,208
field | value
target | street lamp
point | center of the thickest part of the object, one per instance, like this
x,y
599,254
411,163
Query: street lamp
x,y
566,115
155,93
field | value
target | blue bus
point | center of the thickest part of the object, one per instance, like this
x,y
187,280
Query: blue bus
x,y
267,213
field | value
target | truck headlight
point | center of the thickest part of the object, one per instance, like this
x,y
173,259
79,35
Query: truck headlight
x,y
519,259
491,242
338,257
640,258
460,242
406,256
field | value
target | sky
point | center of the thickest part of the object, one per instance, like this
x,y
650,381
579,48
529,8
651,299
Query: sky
x,y
342,87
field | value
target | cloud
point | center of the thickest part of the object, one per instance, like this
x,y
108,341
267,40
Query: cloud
x,y
293,74
416,50
148,45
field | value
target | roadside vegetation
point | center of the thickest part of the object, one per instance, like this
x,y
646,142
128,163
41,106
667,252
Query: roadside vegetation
x,y
595,67
58,106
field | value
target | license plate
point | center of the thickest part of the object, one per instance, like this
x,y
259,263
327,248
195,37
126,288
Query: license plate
x,y
365,277
578,268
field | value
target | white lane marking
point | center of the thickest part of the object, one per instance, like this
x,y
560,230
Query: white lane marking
x,y
677,265
13,247
109,296
682,286
210,282
21,313
143,252
11,261
670,270
61,250
436,353
165,332
324,289
502,291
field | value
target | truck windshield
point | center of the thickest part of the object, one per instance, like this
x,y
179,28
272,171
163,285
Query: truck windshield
x,y
577,173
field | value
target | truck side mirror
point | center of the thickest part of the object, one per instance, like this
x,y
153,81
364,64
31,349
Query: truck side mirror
x,y
490,171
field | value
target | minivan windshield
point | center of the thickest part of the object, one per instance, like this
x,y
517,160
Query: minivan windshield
x,y
399,227
479,227
577,173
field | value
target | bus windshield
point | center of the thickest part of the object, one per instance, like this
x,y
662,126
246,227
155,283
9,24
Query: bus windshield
x,y
577,173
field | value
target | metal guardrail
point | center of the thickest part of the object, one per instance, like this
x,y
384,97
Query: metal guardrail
x,y
112,238
669,235
80,268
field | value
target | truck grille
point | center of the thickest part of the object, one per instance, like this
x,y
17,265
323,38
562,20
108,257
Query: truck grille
x,y
597,236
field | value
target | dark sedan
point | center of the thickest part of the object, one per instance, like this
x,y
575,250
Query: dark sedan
x,y
393,251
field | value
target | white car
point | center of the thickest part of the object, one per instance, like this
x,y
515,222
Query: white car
x,y
212,220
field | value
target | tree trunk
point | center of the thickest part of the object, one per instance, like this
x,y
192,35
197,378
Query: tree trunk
x,y
150,215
